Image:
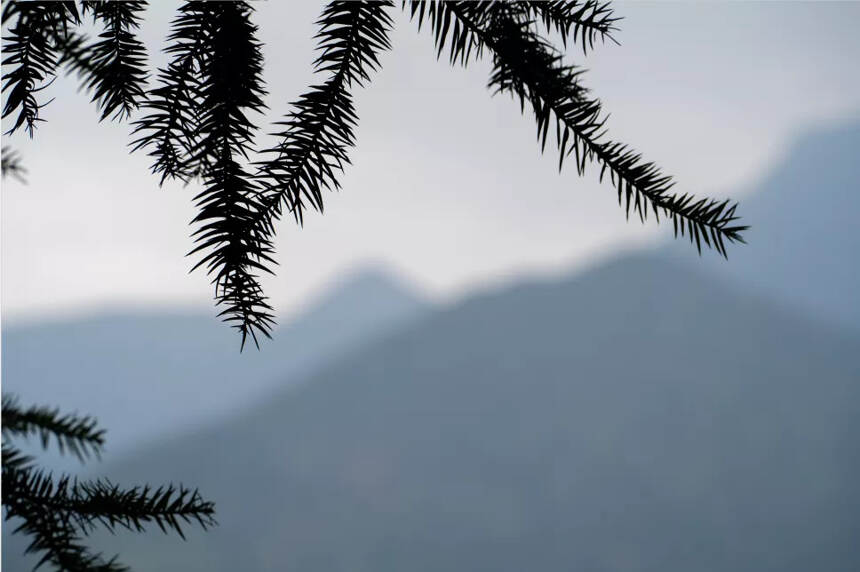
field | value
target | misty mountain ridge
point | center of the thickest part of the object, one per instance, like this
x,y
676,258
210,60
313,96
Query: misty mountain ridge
x,y
802,249
644,414
638,417
144,374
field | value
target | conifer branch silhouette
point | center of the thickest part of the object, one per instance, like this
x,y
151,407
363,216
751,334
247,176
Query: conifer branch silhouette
x,y
585,21
236,249
320,129
198,125
76,434
30,52
528,67
11,164
74,52
170,126
57,513
195,124
117,63
464,44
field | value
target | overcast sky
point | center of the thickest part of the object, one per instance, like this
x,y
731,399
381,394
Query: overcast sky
x,y
448,187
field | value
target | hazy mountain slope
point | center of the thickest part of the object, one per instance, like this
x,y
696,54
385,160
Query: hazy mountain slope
x,y
143,374
804,250
638,417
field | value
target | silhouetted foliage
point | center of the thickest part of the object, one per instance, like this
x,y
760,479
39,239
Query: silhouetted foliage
x,y
195,120
317,133
116,64
31,53
10,161
529,68
58,512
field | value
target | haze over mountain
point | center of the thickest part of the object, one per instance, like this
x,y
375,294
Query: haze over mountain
x,y
648,414
803,248
148,373
638,417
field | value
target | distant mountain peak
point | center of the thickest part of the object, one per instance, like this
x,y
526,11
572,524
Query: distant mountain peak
x,y
369,284
637,409
844,136
802,244
185,364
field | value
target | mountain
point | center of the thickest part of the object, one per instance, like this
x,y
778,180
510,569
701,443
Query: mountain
x,y
803,247
646,415
147,374
641,416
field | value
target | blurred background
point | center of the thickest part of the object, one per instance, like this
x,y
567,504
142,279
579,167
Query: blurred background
x,y
480,363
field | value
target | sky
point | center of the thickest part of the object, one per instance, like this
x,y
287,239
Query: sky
x,y
447,187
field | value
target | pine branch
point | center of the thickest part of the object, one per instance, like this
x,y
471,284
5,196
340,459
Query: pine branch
x,y
79,435
14,459
463,43
11,165
318,132
56,514
116,65
30,53
584,21
74,51
167,507
529,68
314,143
85,504
62,547
237,251
236,248
170,127
197,126
52,532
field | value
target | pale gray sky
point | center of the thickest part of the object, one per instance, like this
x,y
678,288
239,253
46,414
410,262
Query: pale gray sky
x,y
447,187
